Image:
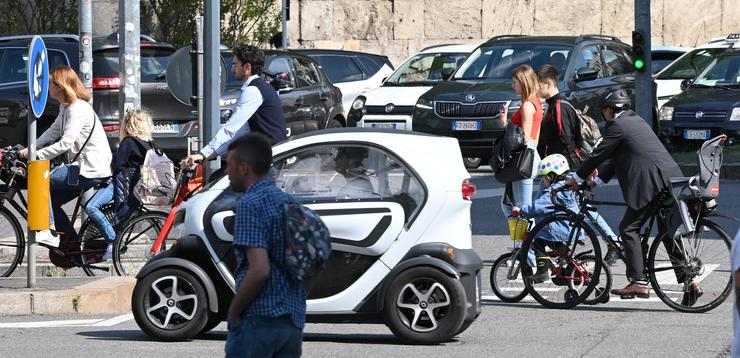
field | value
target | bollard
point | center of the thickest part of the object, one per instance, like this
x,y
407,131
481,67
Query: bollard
x,y
38,195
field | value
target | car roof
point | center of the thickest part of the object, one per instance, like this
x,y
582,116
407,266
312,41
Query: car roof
x,y
451,48
54,40
570,40
719,42
676,49
318,51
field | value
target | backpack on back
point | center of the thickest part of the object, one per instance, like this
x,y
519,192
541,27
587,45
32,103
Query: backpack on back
x,y
157,183
589,135
307,242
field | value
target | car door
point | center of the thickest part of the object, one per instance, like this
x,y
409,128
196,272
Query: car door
x,y
586,80
279,71
308,84
362,194
618,69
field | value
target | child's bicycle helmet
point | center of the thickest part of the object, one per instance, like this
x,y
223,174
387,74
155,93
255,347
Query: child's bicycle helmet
x,y
555,164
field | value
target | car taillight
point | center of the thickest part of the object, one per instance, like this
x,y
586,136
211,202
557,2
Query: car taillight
x,y
111,128
468,189
106,83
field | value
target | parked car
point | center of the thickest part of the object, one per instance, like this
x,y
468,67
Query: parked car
x,y
173,120
392,104
662,56
310,101
393,261
353,72
467,106
709,105
687,67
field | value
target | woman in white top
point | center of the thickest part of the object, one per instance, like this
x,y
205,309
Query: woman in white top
x,y
78,133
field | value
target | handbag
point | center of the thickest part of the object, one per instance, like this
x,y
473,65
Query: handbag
x,y
512,160
73,170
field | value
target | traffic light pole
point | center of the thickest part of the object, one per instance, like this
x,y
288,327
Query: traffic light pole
x,y
644,91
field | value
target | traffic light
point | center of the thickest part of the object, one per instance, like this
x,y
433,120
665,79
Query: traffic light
x,y
638,52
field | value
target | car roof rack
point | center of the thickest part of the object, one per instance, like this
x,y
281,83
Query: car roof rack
x,y
597,36
65,37
436,46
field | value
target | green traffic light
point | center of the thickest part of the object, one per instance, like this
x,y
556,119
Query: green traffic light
x,y
639,64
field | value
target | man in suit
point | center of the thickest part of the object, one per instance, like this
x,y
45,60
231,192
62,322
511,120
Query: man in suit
x,y
633,153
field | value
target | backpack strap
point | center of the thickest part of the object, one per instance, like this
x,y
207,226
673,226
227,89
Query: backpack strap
x,y
559,117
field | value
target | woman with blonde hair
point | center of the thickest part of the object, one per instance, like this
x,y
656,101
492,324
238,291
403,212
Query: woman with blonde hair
x,y
528,117
78,133
135,141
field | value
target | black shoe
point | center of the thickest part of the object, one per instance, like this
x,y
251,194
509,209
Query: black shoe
x,y
692,295
543,273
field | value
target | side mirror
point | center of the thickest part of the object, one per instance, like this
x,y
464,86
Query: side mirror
x,y
586,74
384,79
685,84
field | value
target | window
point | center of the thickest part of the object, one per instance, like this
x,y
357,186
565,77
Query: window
x,y
305,73
423,68
724,71
590,58
498,62
340,68
13,67
280,68
617,61
328,173
372,64
153,63
690,65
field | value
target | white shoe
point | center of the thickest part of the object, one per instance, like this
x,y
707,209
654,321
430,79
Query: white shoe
x,y
47,238
108,253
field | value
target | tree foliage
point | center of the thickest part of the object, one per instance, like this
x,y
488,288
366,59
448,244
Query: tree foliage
x,y
20,17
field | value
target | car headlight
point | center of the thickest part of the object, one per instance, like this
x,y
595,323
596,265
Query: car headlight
x,y
735,114
424,103
666,113
225,102
358,104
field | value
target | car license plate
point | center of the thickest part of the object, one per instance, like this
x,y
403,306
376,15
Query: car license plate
x,y
384,125
466,125
699,134
166,128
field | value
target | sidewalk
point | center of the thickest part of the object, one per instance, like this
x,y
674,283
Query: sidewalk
x,y
67,295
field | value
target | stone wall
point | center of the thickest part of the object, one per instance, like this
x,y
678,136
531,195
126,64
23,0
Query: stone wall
x,y
399,28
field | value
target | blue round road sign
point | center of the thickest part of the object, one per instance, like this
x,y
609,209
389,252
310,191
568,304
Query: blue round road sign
x,y
38,75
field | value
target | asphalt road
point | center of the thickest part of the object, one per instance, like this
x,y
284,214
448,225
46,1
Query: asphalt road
x,y
638,328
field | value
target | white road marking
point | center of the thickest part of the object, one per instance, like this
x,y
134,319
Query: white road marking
x,y
668,277
98,322
115,320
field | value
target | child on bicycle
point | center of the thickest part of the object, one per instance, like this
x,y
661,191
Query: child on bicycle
x,y
553,170
136,140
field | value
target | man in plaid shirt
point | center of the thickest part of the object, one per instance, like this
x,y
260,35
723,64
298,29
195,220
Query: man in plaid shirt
x,y
267,315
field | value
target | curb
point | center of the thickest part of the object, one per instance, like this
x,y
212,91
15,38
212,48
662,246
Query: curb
x,y
109,295
728,171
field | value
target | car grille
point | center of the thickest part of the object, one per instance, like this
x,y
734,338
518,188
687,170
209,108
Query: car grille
x,y
706,115
473,110
394,110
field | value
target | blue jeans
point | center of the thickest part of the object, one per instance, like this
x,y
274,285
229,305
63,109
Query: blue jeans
x,y
62,193
264,337
94,211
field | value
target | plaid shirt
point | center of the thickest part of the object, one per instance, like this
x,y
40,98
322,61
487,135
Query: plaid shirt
x,y
260,223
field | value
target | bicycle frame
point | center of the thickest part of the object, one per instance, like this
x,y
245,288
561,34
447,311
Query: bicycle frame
x,y
184,191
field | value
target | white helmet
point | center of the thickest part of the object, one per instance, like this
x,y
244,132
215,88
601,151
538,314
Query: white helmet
x,y
554,163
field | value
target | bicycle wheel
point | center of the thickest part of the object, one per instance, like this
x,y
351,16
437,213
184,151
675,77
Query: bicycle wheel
x,y
701,257
131,250
600,294
93,245
12,243
508,290
567,281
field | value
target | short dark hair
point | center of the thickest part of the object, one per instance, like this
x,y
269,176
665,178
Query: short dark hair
x,y
251,55
547,72
255,150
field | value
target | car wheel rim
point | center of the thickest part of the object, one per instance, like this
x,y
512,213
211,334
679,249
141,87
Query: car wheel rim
x,y
422,303
171,303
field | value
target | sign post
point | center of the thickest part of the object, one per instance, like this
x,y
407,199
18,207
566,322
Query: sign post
x,y
38,91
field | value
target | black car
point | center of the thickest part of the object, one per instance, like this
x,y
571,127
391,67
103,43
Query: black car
x,y
173,120
467,105
708,106
309,100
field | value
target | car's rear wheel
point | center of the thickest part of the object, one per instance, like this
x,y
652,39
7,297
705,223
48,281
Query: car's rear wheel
x,y
170,305
424,305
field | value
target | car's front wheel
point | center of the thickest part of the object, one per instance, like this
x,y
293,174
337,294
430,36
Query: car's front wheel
x,y
424,305
170,304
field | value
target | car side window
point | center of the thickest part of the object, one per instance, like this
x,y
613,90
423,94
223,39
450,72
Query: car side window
x,y
372,66
305,73
341,68
617,61
13,67
590,58
280,68
331,173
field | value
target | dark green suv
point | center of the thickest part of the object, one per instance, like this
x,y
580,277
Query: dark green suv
x,y
467,105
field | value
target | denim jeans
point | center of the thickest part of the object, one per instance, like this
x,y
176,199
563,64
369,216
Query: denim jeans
x,y
94,211
62,193
264,337
523,190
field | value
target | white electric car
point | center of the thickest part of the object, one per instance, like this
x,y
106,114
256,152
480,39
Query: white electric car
x,y
401,238
391,105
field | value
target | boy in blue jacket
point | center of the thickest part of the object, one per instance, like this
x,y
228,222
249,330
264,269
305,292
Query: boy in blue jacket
x,y
553,170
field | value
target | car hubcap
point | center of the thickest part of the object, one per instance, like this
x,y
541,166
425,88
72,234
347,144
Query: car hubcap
x,y
421,304
171,303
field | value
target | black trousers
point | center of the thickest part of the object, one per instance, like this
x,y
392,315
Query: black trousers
x,y
634,252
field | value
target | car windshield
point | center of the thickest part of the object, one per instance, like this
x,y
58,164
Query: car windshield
x,y
13,66
724,71
499,62
690,65
153,63
426,68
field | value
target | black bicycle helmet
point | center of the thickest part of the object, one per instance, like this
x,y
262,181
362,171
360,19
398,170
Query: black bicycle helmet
x,y
618,99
